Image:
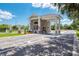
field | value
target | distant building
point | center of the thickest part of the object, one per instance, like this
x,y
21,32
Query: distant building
x,y
41,24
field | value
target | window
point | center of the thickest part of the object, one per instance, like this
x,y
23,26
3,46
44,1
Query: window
x,y
35,22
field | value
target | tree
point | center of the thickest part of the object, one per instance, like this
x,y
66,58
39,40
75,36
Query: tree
x,y
52,27
4,27
14,27
72,11
26,28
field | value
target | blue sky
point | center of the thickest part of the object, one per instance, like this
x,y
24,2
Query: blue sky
x,y
18,14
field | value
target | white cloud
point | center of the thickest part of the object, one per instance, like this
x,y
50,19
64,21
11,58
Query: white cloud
x,y
6,15
44,5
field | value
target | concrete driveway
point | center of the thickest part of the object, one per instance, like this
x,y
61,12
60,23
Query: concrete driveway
x,y
39,44
68,32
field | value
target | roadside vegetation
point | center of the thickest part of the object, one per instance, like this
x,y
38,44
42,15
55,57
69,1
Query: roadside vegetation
x,y
9,34
13,30
77,33
72,11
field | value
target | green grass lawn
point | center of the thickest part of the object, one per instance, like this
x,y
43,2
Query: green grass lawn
x,y
9,34
77,33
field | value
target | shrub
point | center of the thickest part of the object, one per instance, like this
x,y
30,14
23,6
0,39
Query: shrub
x,y
77,33
77,29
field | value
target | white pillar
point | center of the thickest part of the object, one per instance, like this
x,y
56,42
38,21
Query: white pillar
x,y
59,26
49,25
39,25
30,25
55,26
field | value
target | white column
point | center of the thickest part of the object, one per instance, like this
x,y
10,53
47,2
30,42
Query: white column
x,y
30,25
59,26
49,25
55,26
39,25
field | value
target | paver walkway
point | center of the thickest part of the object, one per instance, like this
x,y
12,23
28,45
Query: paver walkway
x,y
39,44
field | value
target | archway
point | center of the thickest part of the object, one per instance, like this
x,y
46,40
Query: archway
x,y
43,23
